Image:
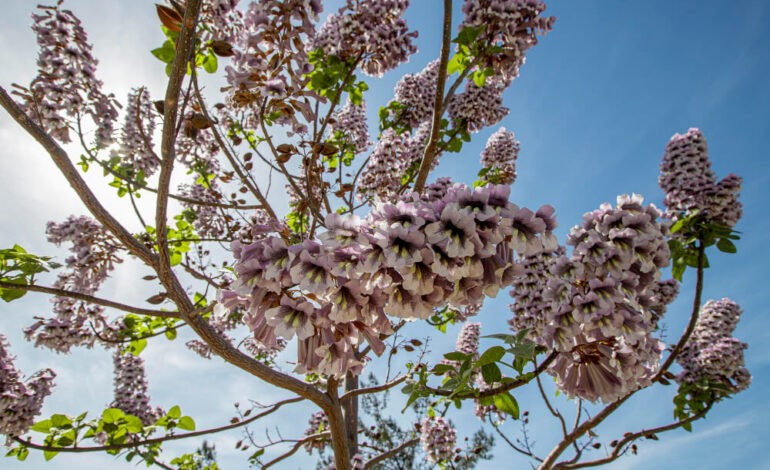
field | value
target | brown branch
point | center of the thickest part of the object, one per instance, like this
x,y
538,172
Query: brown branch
x,y
693,315
295,448
390,453
157,440
630,437
374,389
513,446
430,149
337,426
68,170
90,299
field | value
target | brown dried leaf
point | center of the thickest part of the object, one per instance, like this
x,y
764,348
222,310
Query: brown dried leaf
x,y
170,18
222,48
157,298
159,106
199,121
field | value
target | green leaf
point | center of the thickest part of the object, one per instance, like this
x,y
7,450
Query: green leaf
x,y
687,427
456,356
726,246
479,78
112,415
43,426
61,421
175,412
456,64
491,373
491,355
210,63
49,454
507,404
134,424
186,423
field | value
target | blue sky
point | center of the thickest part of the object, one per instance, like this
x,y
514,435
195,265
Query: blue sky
x,y
594,107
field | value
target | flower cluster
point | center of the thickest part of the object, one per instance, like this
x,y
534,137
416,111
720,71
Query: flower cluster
x,y
318,422
394,157
20,402
690,184
595,311
269,61
373,32
66,85
131,395
511,26
350,122
479,106
438,438
404,260
94,256
209,219
468,339
416,93
223,20
135,141
499,157
711,353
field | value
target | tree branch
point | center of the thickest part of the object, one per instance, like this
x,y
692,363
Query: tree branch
x,y
89,299
374,389
630,437
175,437
430,149
390,453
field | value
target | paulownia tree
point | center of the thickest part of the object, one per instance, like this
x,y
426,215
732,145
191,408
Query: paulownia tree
x,y
367,246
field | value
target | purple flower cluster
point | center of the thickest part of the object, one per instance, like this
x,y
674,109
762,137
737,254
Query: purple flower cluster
x,y
690,184
318,422
350,121
596,309
712,353
499,157
404,260
479,106
512,26
131,395
20,402
270,61
417,94
532,309
66,85
135,140
438,438
195,148
373,31
209,220
468,339
392,157
382,175
223,20
94,256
